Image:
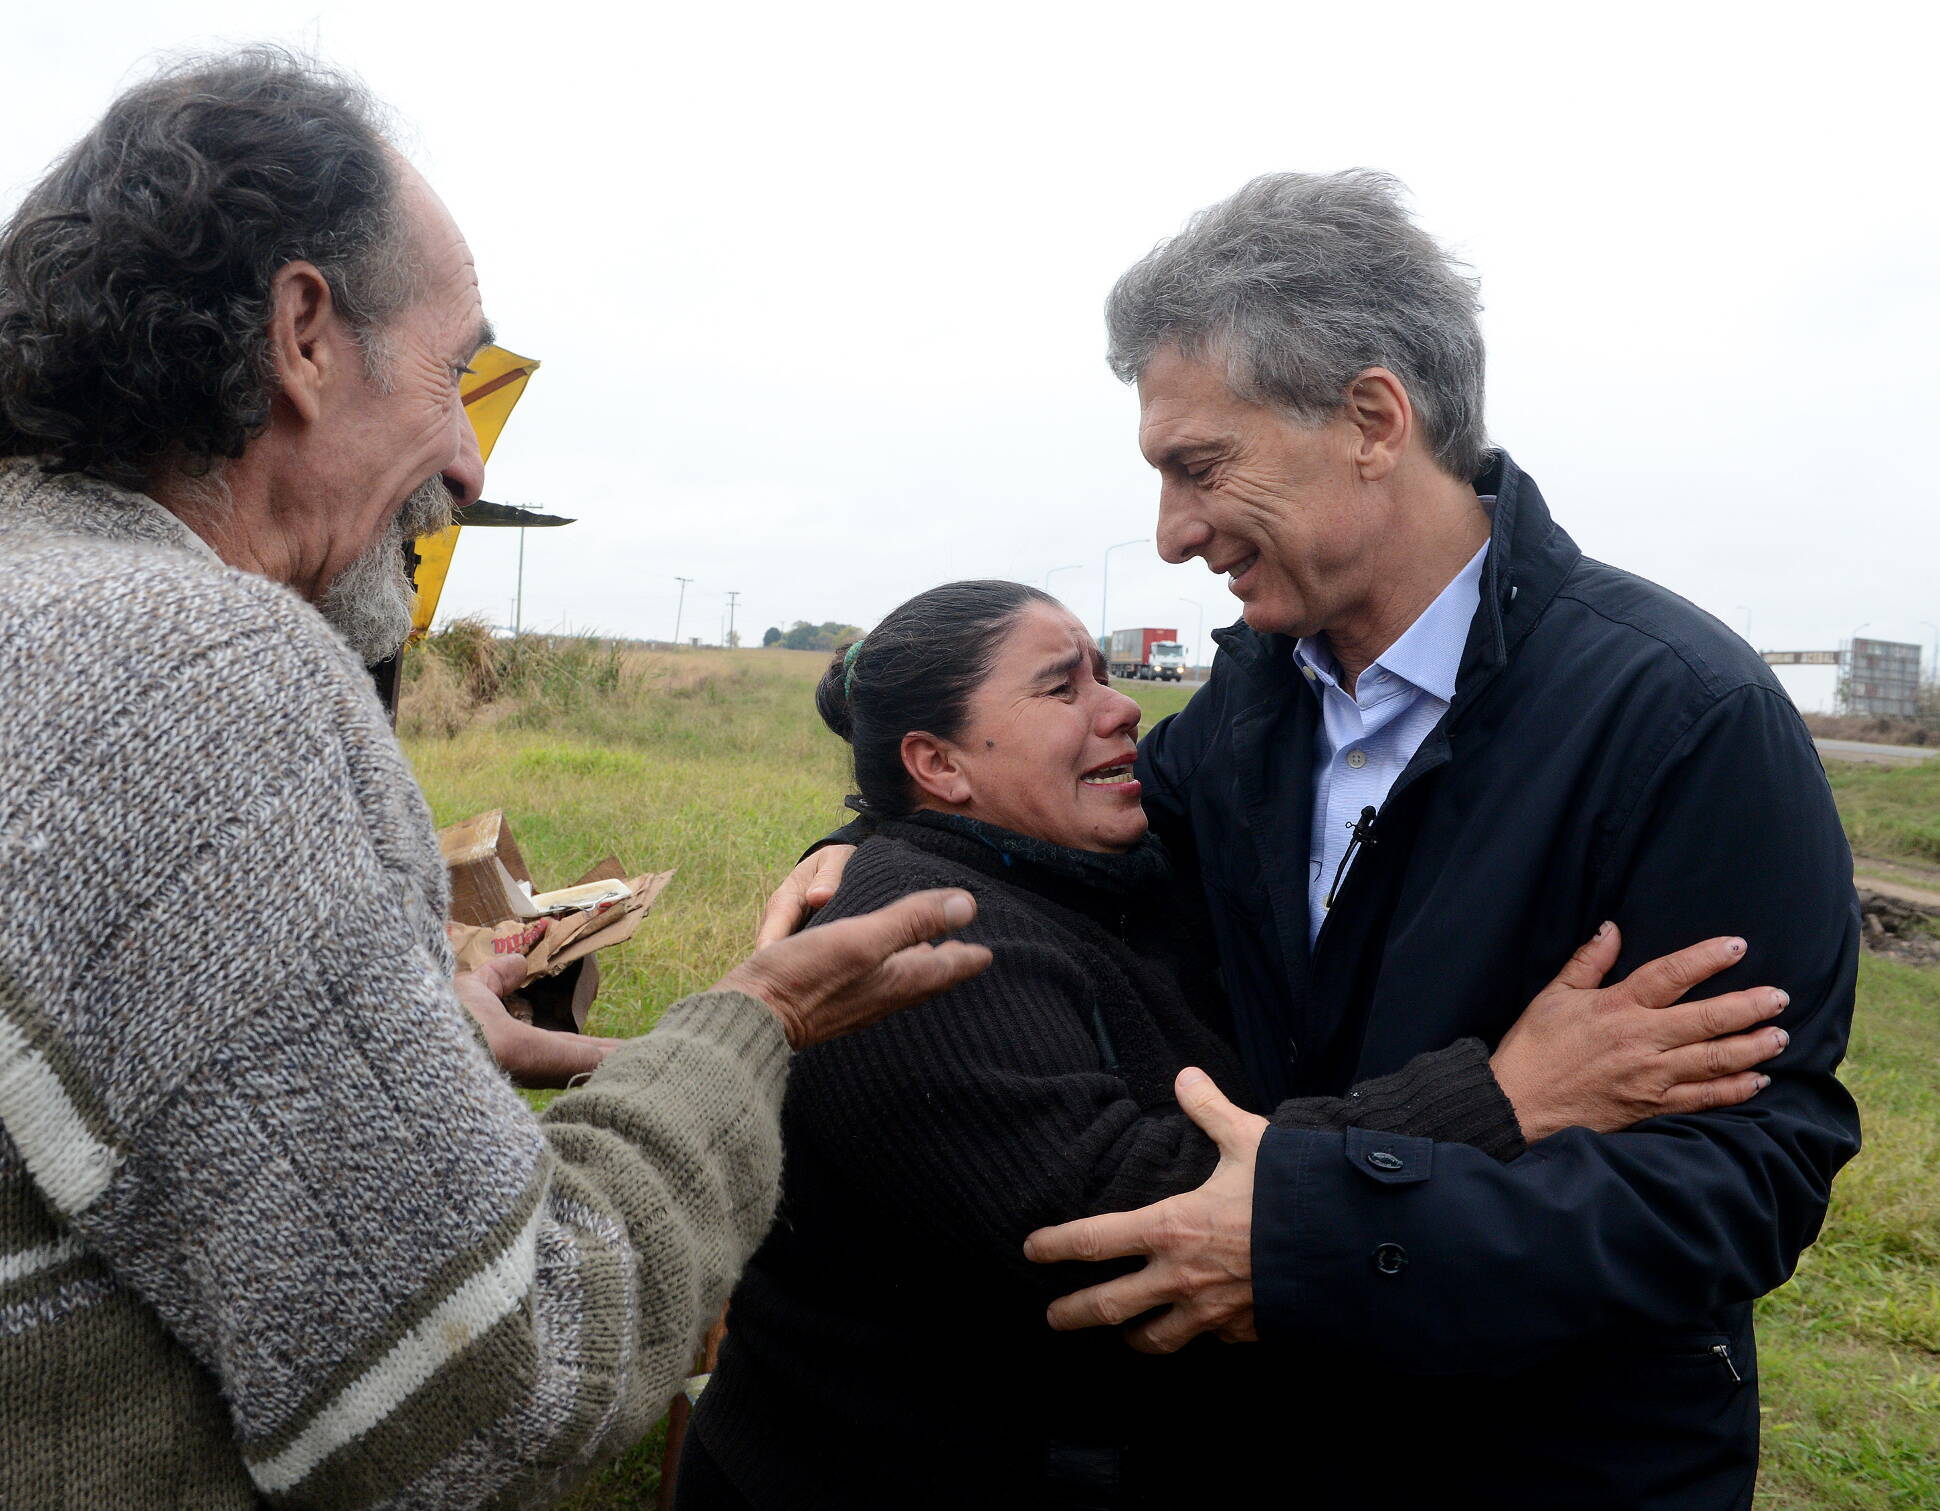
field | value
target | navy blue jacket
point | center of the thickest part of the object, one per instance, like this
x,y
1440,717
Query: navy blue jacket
x,y
1571,1329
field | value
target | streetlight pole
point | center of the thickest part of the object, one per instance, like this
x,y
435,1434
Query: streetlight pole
x,y
1055,570
1198,635
518,602
1104,593
680,604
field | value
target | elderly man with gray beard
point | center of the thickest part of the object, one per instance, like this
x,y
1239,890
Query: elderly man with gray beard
x,y
274,1228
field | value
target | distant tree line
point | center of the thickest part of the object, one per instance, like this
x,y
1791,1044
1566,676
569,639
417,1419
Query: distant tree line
x,y
803,636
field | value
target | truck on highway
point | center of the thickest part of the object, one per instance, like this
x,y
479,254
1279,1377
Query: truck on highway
x,y
1147,654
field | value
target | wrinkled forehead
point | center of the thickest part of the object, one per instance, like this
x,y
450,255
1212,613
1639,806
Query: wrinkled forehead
x,y
1183,402
447,274
1044,636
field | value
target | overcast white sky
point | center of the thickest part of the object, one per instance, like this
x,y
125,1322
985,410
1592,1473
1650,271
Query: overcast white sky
x,y
817,287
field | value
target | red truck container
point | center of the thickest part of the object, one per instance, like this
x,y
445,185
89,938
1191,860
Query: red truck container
x,y
1146,653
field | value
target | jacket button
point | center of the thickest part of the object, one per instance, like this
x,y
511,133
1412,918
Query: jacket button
x,y
1381,1159
1390,1259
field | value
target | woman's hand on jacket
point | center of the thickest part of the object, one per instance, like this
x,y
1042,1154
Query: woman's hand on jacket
x,y
802,891
1584,1055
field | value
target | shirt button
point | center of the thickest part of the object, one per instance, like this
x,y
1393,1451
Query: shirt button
x,y
1357,759
1390,1258
1308,672
1381,1159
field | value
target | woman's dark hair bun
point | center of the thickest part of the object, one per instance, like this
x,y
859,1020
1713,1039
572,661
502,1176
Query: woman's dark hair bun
x,y
832,697
917,670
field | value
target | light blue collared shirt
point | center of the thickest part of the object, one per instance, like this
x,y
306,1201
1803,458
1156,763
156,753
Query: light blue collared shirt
x,y
1368,736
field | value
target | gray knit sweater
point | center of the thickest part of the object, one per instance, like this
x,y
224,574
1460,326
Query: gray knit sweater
x,y
273,1227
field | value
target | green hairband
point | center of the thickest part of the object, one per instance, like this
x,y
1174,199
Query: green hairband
x,y
848,670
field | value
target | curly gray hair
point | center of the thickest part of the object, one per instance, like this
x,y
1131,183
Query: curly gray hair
x,y
135,277
1301,281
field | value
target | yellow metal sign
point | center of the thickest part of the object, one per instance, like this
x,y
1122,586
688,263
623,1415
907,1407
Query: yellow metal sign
x,y
497,379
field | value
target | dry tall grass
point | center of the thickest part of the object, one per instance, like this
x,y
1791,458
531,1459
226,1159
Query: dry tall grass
x,y
1875,729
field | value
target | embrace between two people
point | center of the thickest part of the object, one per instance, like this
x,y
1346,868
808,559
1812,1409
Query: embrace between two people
x,y
1515,1219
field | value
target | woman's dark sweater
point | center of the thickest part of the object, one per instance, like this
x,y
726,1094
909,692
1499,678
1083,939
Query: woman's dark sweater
x,y
887,1345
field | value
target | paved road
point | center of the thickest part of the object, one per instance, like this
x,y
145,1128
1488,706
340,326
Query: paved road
x,y
1885,755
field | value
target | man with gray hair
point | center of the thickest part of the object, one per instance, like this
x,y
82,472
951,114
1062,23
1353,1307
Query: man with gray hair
x,y
1442,745
274,1228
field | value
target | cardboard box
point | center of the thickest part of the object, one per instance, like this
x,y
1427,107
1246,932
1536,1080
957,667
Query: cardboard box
x,y
494,911
486,870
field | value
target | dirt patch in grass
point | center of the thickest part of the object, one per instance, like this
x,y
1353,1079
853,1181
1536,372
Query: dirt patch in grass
x,y
1900,922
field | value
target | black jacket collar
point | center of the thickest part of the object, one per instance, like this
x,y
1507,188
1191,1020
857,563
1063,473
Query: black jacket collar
x,y
1102,886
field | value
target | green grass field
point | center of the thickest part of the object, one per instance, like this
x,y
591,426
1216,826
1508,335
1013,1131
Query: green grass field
x,y
714,763
1891,811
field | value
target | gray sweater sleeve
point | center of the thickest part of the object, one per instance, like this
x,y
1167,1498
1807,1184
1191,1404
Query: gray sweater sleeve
x,y
261,1107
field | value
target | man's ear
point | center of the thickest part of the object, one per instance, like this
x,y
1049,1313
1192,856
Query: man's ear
x,y
934,767
305,336
1378,406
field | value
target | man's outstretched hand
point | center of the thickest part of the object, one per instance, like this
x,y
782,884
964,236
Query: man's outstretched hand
x,y
845,975
1199,1244
818,984
530,1056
